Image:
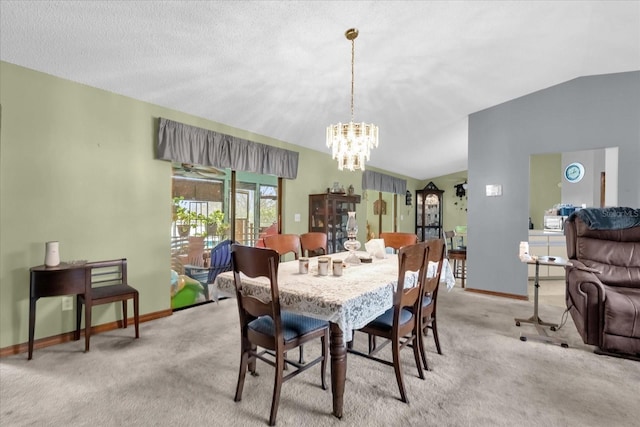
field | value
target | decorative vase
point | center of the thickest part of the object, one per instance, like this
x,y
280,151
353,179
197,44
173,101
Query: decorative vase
x,y
51,254
352,245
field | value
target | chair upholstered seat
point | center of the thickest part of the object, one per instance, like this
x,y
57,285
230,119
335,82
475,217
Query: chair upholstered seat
x,y
103,292
293,325
385,320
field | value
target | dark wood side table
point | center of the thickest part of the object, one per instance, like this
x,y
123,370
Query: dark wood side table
x,y
459,255
65,279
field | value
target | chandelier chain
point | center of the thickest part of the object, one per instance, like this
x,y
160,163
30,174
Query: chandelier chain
x,y
353,56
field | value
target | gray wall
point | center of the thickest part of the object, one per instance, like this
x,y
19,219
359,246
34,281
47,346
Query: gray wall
x,y
587,190
582,114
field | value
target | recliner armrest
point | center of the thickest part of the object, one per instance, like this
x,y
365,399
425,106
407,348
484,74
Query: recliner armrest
x,y
585,300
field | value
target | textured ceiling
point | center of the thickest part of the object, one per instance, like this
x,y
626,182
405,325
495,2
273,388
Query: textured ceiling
x,y
282,68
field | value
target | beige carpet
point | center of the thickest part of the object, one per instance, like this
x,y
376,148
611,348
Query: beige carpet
x,y
183,369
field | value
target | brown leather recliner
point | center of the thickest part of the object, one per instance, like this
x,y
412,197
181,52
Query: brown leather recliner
x,y
605,306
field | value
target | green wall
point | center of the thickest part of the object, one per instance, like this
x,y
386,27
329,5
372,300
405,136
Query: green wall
x,y
454,209
545,175
78,166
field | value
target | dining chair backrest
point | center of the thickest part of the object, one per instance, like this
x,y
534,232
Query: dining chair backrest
x,y
284,244
436,251
256,262
411,258
436,255
449,236
396,240
313,243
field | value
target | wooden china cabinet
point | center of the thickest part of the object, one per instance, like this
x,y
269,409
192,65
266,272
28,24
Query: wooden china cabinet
x,y
328,214
429,212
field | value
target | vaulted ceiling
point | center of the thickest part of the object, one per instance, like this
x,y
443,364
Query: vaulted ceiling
x,y
283,68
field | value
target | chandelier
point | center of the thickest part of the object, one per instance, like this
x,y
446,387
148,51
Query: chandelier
x,y
351,143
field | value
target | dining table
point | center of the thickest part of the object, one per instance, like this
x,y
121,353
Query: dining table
x,y
348,302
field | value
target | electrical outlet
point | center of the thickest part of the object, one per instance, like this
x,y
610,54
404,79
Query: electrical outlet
x,y
67,303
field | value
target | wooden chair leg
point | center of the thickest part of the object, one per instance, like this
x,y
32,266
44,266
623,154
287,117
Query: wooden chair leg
x,y
251,366
372,343
325,355
244,362
398,369
78,317
301,359
434,327
423,334
136,315
423,353
277,386
418,352
124,313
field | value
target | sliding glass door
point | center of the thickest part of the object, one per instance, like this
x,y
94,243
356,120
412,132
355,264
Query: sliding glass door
x,y
202,198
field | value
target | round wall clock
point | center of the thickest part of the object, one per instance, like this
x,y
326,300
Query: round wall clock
x,y
574,172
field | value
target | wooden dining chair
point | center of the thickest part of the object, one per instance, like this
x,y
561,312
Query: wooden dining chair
x,y
313,243
449,236
108,283
263,324
396,240
283,244
436,250
400,325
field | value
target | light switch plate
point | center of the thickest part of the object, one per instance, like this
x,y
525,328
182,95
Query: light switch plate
x,y
493,190
296,217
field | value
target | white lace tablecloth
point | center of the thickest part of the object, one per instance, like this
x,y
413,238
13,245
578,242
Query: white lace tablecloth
x,y
352,300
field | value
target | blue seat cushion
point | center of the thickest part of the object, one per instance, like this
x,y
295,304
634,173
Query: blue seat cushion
x,y
385,321
293,325
426,300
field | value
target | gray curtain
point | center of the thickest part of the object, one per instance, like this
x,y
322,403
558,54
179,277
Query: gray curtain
x,y
182,143
381,182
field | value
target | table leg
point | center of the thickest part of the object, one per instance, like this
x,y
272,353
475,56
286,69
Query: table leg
x,y
87,322
32,323
338,368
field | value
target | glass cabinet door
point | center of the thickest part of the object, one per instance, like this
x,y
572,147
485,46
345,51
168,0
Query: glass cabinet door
x,y
328,213
429,212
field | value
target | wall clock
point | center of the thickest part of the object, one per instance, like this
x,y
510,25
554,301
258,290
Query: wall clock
x,y
574,172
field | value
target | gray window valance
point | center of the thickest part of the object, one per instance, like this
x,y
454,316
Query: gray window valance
x,y
182,143
378,181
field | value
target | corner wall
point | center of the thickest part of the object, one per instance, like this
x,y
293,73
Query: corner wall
x,y
585,113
